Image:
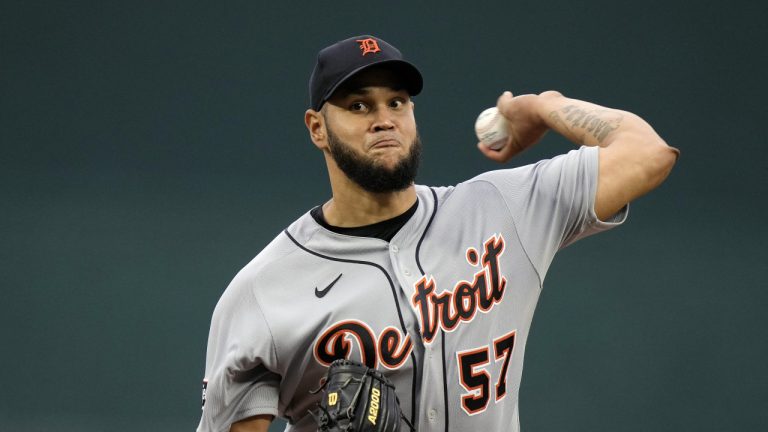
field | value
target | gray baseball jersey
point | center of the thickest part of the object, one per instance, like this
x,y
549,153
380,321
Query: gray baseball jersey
x,y
443,309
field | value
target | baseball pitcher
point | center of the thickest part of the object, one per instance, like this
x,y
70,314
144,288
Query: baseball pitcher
x,y
420,297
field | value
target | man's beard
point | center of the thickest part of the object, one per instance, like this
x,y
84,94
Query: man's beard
x,y
372,175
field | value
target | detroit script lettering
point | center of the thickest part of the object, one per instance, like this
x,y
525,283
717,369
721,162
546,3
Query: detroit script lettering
x,y
444,311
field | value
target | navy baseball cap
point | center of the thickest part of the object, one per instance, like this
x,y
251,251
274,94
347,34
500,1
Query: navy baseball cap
x,y
340,61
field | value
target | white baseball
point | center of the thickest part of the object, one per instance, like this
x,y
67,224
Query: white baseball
x,y
492,129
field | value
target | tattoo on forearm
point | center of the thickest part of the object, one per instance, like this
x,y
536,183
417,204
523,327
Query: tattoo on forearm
x,y
579,122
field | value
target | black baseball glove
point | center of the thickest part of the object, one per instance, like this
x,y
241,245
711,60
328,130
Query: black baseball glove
x,y
357,398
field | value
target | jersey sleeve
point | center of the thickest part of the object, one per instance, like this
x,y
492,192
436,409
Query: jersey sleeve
x,y
238,381
552,203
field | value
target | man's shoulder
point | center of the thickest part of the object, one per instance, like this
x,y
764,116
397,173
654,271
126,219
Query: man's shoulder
x,y
275,259
525,174
492,179
271,272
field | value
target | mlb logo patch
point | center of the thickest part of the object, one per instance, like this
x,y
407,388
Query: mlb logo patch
x,y
205,387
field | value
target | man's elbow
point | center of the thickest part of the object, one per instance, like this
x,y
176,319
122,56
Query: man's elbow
x,y
660,160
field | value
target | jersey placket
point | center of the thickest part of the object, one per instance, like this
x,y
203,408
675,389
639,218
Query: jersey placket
x,y
402,253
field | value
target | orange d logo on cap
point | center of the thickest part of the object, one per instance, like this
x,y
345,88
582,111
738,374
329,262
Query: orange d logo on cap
x,y
369,46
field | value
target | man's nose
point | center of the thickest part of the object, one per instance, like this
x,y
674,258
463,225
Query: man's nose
x,y
383,120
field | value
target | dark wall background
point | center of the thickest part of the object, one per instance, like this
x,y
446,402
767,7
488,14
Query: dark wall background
x,y
148,150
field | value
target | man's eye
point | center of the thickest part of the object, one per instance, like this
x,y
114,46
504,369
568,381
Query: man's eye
x,y
357,106
397,103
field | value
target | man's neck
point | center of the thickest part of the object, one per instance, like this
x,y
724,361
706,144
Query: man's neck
x,y
353,207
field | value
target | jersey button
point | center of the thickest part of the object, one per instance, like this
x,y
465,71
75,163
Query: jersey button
x,y
406,272
432,415
394,248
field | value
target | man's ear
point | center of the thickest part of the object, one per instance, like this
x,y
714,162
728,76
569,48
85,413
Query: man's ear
x,y
315,123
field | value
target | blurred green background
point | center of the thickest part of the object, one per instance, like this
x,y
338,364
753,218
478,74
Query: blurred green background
x,y
148,150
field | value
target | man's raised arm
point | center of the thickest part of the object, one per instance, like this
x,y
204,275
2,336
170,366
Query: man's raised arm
x,y
633,158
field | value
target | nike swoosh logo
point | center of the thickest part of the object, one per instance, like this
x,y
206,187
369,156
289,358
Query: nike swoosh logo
x,y
321,294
